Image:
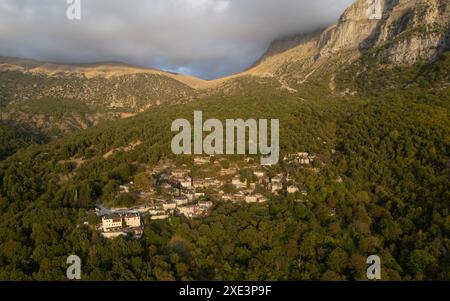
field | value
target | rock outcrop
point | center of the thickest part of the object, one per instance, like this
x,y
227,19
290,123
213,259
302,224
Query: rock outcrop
x,y
398,32
408,30
415,31
356,25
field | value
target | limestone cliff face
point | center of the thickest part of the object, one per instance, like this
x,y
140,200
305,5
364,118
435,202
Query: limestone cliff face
x,y
415,31
408,30
392,32
356,25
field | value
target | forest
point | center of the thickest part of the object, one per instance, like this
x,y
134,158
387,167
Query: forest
x,y
390,147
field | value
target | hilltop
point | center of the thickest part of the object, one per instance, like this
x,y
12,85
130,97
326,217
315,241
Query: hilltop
x,y
89,71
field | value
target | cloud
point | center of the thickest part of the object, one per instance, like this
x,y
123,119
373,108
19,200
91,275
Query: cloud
x,y
206,38
216,6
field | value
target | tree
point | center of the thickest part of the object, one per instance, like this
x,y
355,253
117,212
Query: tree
x,y
337,260
126,200
418,262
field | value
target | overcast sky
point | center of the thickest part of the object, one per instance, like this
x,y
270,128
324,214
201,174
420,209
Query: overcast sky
x,y
205,38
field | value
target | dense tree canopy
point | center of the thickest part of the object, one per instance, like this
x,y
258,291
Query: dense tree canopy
x,y
390,148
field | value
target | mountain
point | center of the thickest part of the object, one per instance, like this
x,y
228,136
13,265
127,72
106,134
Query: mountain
x,y
105,70
395,32
386,32
368,97
406,31
84,94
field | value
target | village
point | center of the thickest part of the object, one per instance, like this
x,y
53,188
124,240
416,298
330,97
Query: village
x,y
191,190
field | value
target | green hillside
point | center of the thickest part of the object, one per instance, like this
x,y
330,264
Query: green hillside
x,y
62,104
13,138
389,147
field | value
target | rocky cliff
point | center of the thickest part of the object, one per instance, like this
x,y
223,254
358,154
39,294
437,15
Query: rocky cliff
x,y
408,31
394,32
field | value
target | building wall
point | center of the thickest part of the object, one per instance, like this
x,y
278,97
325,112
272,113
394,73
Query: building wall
x,y
159,217
251,199
292,189
168,206
109,224
181,202
276,187
114,234
186,210
134,221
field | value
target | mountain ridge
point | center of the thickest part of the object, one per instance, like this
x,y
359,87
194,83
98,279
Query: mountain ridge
x,y
90,70
357,30
387,32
